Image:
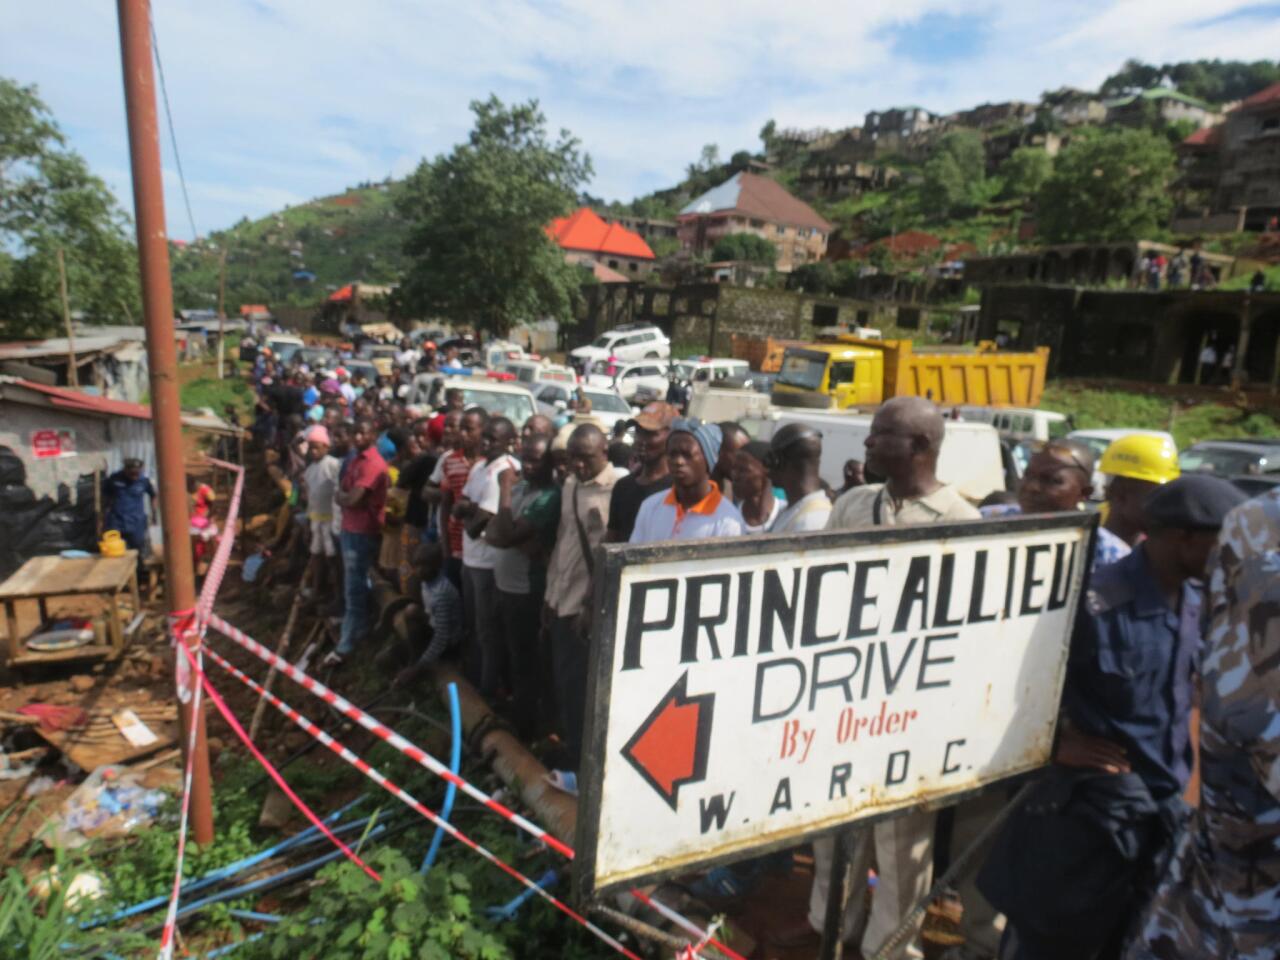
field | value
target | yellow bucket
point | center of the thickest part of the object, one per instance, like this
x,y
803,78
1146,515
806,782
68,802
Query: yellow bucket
x,y
111,545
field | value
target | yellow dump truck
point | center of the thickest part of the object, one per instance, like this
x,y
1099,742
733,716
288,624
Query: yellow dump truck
x,y
853,372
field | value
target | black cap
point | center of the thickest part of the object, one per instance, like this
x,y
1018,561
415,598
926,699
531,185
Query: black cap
x,y
1194,501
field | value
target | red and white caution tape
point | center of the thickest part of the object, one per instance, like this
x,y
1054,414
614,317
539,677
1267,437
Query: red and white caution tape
x,y
403,795
182,625
272,772
389,736
218,567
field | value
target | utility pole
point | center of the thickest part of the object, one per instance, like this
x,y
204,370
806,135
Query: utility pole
x,y
73,375
222,301
166,416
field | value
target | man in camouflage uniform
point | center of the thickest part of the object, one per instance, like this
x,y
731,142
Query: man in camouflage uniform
x,y
1220,899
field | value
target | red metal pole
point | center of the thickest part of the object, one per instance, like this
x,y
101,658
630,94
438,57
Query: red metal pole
x,y
162,358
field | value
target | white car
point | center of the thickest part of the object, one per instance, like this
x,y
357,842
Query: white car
x,y
648,375
706,370
532,373
629,343
496,399
607,406
1099,440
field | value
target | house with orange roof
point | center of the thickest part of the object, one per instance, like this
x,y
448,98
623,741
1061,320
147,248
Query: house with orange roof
x,y
750,203
587,239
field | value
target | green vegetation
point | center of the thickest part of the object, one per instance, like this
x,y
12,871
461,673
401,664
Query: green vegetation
x,y
955,176
1217,81
1188,421
745,246
1025,172
216,395
49,203
354,236
406,915
477,244
1113,186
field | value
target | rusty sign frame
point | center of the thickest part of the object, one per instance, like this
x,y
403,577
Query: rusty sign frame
x,y
612,558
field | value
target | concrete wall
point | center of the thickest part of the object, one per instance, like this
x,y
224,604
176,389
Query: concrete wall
x,y
1135,335
1232,222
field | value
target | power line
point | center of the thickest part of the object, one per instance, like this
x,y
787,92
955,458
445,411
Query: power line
x,y
173,137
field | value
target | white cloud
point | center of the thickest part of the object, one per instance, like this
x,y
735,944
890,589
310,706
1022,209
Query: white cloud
x,y
275,102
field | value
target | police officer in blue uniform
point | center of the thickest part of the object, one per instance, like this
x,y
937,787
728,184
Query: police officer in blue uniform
x,y
128,495
1076,863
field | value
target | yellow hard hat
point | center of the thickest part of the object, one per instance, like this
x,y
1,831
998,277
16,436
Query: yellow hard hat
x,y
1141,457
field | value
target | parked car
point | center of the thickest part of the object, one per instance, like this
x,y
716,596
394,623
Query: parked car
x,y
1099,440
1256,484
1019,423
628,343
317,358
607,406
497,399
698,370
361,368
1227,458
381,355
649,376
533,372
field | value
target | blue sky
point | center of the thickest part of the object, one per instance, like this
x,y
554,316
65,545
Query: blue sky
x,y
277,101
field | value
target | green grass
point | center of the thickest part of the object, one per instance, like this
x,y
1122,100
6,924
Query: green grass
x,y
1188,422
216,394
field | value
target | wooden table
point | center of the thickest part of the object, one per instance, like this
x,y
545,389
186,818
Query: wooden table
x,y
42,578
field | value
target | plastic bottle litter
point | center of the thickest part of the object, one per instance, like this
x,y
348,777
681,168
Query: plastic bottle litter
x,y
111,802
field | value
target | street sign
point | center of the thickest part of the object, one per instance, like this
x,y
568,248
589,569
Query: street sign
x,y
51,444
749,693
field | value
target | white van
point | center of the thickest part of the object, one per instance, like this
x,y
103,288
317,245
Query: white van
x,y
700,370
970,458
535,372
1019,423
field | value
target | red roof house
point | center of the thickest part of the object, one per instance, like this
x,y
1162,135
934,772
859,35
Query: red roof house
x,y
583,231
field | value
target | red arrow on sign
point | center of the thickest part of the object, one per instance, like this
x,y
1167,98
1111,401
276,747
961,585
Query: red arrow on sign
x,y
671,747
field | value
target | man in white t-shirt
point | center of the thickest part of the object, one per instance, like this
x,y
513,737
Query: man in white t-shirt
x,y
693,508
486,661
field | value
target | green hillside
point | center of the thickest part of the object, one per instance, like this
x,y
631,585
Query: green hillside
x,y
356,235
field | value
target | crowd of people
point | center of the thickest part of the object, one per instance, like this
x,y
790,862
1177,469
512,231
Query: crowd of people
x,y
493,526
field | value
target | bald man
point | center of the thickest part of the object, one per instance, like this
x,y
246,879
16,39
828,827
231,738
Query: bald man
x,y
538,426
903,446
584,518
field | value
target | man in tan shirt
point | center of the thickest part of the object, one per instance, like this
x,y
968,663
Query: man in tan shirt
x,y
903,446
584,516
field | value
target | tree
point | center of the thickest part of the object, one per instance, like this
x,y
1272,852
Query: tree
x,y
49,201
477,244
1218,81
769,137
745,246
1025,172
1109,187
954,175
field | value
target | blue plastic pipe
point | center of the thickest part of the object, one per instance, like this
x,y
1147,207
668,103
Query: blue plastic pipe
x,y
223,873
455,762
255,915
